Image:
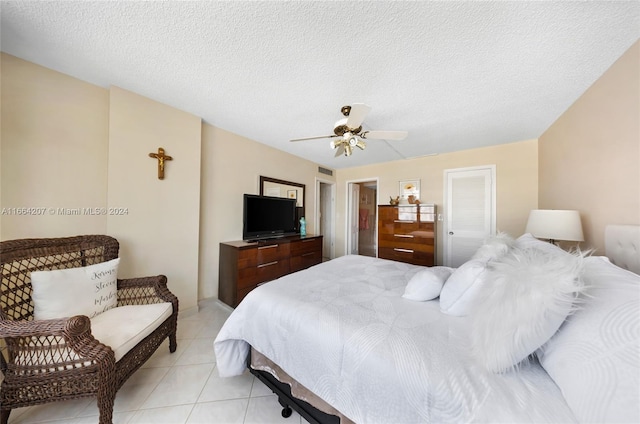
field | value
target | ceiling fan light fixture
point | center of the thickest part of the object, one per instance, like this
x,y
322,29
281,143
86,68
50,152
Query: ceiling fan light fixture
x,y
348,133
348,150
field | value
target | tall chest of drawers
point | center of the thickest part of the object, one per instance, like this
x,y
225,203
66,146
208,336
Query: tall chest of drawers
x,y
407,233
245,265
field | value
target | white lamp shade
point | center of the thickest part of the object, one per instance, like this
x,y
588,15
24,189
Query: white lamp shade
x,y
555,224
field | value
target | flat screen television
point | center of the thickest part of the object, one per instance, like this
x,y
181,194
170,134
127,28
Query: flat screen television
x,y
268,217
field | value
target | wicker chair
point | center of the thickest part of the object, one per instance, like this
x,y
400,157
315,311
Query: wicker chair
x,y
78,365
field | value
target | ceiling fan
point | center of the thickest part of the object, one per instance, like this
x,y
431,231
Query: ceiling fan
x,y
348,131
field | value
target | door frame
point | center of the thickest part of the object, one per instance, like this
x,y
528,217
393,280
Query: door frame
x,y
445,204
332,210
348,214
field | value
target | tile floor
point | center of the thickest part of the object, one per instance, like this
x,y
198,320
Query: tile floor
x,y
183,387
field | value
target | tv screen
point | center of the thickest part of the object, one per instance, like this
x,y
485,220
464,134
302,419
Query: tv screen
x,y
268,217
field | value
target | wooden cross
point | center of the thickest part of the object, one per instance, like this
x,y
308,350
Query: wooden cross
x,y
161,158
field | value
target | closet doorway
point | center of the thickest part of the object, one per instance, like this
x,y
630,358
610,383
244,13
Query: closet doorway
x,y
362,201
325,216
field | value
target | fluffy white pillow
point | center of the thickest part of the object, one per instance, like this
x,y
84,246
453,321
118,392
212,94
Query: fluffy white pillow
x,y
527,241
595,356
494,248
88,290
463,287
527,295
426,284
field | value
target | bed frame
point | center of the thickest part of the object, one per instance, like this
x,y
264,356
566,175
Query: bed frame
x,y
622,246
289,402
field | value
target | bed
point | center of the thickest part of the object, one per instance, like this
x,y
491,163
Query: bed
x,y
349,341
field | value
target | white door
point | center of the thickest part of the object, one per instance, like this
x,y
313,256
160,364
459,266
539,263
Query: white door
x,y
470,212
354,199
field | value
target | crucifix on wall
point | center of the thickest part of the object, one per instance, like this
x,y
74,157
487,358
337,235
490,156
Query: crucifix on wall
x,y
161,158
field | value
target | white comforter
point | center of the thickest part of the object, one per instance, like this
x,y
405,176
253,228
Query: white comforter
x,y
343,330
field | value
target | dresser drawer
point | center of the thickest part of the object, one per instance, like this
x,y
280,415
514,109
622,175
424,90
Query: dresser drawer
x,y
306,246
261,255
408,255
417,236
409,244
250,277
305,260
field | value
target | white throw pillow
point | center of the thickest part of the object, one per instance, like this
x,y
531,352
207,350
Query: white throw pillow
x,y
88,290
463,287
426,284
527,295
595,356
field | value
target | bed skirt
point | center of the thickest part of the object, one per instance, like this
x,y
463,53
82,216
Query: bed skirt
x,y
259,362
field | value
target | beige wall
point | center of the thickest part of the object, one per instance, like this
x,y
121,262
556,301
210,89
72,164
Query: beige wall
x,y
516,188
589,159
231,166
155,221
54,143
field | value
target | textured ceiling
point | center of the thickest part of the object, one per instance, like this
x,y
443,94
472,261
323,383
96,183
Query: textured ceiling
x,y
455,75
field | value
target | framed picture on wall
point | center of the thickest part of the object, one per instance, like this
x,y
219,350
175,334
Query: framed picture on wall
x,y
410,188
273,192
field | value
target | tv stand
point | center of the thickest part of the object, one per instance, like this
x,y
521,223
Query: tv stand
x,y
244,265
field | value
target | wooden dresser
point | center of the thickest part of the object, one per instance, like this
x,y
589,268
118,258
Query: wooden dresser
x,y
407,233
245,265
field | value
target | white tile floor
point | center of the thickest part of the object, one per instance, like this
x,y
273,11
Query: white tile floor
x,y
183,387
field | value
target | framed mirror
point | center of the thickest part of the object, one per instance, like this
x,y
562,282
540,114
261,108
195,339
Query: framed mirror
x,y
281,188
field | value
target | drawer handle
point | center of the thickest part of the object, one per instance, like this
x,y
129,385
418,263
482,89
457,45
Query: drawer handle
x,y
403,250
267,264
401,221
403,235
309,254
267,247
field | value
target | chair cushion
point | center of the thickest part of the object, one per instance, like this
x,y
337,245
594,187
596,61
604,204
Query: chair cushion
x,y
88,290
124,327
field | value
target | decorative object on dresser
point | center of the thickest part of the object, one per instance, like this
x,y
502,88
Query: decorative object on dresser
x,y
245,265
407,233
410,190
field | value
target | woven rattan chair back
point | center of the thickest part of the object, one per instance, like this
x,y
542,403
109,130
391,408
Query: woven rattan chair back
x,y
20,257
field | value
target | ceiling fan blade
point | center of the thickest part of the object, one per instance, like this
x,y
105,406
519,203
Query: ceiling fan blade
x,y
357,114
385,135
314,138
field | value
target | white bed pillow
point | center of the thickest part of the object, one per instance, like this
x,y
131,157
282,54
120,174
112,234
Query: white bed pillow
x,y
495,247
595,356
527,241
462,288
427,283
88,290
527,295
